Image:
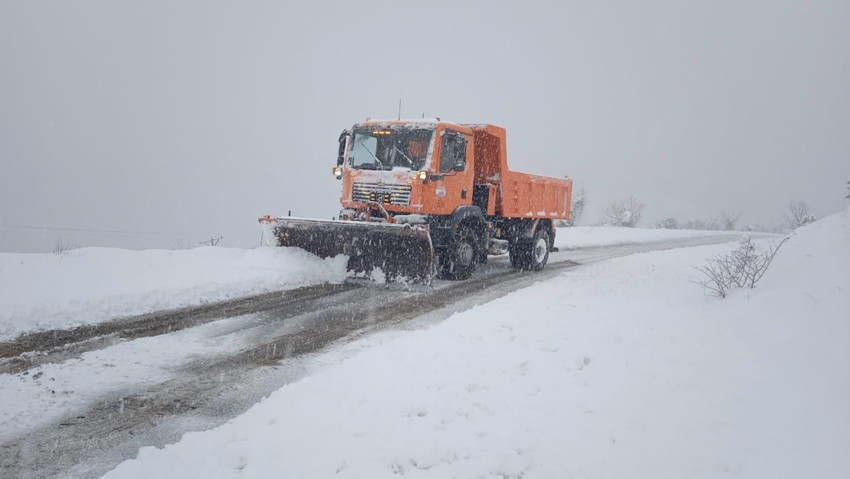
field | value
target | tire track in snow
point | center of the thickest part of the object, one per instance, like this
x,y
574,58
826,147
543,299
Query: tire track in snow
x,y
210,390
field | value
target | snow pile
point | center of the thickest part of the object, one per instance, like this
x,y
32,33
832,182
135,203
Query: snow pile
x,y
89,285
590,236
622,368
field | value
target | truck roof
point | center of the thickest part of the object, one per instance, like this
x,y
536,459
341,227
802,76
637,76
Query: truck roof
x,y
423,121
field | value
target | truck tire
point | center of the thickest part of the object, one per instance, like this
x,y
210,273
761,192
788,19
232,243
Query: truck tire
x,y
515,252
539,254
531,255
458,261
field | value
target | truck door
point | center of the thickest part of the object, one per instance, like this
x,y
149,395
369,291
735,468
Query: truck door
x,y
455,167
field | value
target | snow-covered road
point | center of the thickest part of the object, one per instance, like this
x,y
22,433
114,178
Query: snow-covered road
x,y
100,407
45,292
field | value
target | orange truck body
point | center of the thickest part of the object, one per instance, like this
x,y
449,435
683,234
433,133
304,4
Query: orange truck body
x,y
509,194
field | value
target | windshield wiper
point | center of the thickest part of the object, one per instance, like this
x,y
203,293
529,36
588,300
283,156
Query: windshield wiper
x,y
413,165
383,166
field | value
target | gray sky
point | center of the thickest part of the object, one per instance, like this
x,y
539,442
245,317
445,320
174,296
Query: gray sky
x,y
161,123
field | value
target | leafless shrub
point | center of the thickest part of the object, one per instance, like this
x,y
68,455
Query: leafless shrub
x,y
668,224
741,268
694,225
625,212
711,224
717,277
798,214
63,249
213,241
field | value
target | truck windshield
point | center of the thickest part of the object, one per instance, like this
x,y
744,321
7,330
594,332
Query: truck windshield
x,y
385,148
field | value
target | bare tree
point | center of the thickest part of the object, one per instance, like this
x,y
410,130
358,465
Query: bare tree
x,y
625,212
798,214
847,194
729,221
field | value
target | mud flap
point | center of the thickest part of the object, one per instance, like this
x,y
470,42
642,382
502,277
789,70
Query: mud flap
x,y
402,252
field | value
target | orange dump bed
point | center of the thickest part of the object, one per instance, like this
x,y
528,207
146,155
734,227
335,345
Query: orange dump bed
x,y
533,196
518,195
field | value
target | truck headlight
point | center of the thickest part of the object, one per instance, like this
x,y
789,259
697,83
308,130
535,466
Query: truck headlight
x,y
422,175
338,172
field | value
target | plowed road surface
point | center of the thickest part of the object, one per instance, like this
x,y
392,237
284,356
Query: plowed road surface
x,y
110,389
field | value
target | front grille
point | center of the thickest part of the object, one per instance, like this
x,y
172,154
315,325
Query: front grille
x,y
398,195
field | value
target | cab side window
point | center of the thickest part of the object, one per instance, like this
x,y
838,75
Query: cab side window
x,y
453,153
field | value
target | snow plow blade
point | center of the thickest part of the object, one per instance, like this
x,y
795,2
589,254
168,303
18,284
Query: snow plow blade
x,y
401,252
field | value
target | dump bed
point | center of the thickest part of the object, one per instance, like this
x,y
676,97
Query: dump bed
x,y
534,196
518,195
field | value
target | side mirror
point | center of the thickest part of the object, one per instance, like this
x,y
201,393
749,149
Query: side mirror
x,y
343,141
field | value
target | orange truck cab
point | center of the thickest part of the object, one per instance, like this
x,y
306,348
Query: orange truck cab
x,y
454,180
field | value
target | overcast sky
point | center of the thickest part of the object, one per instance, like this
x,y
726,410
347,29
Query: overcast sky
x,y
162,123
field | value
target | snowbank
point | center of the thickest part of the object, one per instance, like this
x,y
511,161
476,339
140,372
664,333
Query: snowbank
x,y
90,285
589,236
622,368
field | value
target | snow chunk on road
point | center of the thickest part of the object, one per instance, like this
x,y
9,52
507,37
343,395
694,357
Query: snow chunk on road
x,y
90,285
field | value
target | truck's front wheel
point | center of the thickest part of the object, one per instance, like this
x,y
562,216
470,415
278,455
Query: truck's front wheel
x,y
458,261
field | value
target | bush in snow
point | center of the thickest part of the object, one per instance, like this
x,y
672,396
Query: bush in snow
x,y
694,225
668,224
213,241
625,212
798,215
62,248
741,268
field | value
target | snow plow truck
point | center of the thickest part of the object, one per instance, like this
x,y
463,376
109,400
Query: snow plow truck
x,y
425,198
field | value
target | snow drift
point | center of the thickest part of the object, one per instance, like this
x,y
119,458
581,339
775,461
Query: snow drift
x,y
90,285
623,368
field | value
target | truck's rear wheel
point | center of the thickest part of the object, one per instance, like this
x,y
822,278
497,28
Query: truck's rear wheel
x,y
531,255
539,253
458,261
